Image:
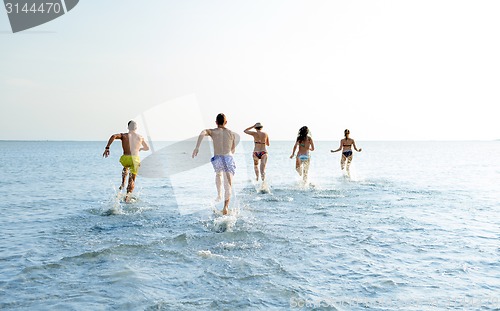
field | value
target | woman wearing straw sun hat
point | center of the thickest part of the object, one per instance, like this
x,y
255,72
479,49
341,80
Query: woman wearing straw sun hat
x,y
261,140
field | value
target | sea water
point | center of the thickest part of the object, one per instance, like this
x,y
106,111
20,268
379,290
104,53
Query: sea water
x,y
415,227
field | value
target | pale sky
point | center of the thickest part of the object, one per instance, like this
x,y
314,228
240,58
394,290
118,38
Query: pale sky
x,y
387,70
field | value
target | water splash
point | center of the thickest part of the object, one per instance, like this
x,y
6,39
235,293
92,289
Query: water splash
x,y
208,254
264,188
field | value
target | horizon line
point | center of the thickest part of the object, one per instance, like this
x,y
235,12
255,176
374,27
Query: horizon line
x,y
275,140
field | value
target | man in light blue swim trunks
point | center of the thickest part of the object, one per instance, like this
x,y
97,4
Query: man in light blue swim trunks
x,y
224,142
223,163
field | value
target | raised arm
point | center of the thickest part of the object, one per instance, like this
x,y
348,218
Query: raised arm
x,y
198,143
247,130
110,141
354,145
340,147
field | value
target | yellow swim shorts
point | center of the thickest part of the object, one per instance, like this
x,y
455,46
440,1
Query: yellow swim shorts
x,y
132,162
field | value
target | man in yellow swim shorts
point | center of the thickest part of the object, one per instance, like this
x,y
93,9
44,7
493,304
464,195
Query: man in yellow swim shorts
x,y
131,162
132,143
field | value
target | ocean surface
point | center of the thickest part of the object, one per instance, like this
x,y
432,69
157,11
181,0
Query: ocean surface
x,y
416,227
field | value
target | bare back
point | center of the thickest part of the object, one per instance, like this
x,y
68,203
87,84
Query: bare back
x,y
223,140
261,140
131,143
346,144
305,146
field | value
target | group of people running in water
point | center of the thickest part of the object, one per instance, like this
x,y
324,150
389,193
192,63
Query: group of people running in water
x,y
224,146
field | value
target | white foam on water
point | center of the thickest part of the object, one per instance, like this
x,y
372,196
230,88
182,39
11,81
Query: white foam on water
x,y
224,223
264,188
353,174
121,205
208,254
238,245
115,202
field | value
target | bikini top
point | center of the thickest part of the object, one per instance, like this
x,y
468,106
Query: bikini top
x,y
302,144
258,142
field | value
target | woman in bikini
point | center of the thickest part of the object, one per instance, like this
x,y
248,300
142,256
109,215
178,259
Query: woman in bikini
x,y
305,144
346,145
261,140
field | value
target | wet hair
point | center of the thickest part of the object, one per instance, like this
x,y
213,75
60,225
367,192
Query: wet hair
x,y
132,125
221,119
303,134
346,132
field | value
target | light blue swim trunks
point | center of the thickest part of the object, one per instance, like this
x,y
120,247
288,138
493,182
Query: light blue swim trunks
x,y
223,163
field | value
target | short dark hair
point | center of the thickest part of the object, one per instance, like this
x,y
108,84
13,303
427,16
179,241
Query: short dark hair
x,y
221,119
132,125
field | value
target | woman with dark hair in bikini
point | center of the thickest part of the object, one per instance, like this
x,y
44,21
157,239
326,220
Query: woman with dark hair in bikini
x,y
261,140
305,143
345,146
